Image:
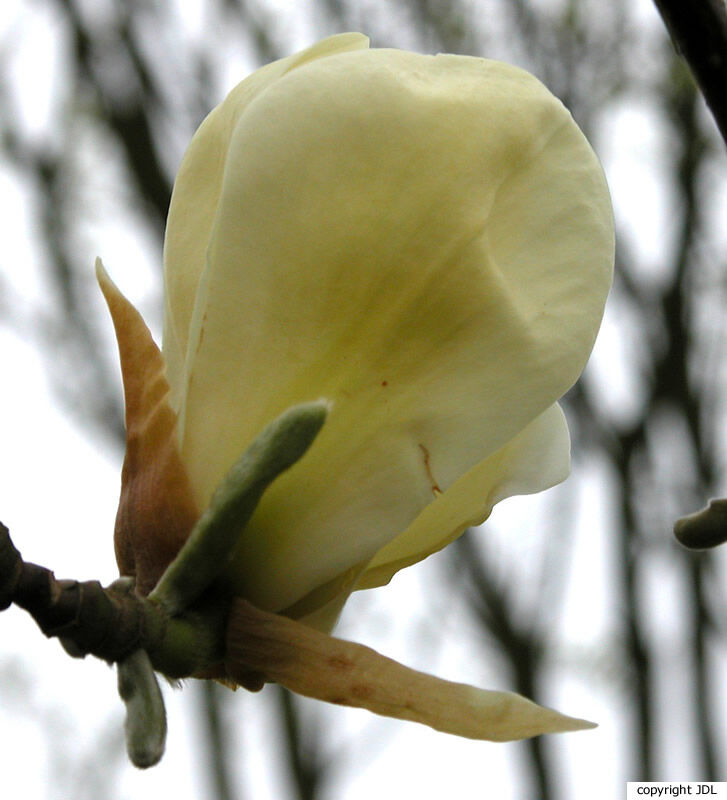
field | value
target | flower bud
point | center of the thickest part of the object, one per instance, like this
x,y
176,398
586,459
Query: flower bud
x,y
424,242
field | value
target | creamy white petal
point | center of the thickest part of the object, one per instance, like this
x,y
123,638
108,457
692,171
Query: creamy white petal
x,y
196,195
428,241
534,460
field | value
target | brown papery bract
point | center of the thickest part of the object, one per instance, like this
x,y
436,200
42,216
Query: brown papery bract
x,y
156,509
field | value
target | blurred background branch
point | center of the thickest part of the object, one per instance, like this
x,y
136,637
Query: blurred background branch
x,y
699,31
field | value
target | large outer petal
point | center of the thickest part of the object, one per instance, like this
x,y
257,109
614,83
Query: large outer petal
x,y
197,192
427,242
534,460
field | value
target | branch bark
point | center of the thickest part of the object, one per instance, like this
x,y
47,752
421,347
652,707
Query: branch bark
x,y
110,623
699,32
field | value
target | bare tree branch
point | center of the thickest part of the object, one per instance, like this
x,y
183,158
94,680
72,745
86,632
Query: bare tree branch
x,y
699,32
217,741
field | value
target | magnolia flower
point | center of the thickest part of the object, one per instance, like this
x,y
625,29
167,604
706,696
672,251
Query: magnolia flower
x,y
426,244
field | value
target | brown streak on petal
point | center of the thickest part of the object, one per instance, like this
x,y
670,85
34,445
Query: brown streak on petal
x,y
340,663
428,467
156,507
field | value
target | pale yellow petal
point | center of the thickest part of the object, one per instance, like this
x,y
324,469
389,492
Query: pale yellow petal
x,y
196,195
428,242
536,459
316,665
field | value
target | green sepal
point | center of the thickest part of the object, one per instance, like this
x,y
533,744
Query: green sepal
x,y
283,442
